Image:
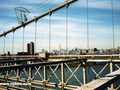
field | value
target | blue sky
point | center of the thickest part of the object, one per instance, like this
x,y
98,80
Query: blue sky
x,y
100,24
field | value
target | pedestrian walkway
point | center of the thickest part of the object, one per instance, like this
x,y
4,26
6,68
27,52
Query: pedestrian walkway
x,y
103,82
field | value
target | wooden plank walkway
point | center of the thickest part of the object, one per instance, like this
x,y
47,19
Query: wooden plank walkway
x,y
102,83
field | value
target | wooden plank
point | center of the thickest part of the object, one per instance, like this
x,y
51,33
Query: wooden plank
x,y
102,83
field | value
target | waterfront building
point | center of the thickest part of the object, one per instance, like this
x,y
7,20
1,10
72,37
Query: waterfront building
x,y
91,51
30,48
113,50
84,51
118,49
107,50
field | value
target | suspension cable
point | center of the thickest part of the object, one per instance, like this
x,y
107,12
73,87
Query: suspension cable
x,y
13,44
7,23
35,33
66,27
4,45
38,5
23,36
50,32
113,24
87,36
87,28
13,20
41,5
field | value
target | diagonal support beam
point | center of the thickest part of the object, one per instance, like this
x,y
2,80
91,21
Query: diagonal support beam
x,y
37,71
97,75
55,75
53,72
117,66
73,74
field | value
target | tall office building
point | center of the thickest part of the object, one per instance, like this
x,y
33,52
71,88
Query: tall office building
x,y
30,48
59,48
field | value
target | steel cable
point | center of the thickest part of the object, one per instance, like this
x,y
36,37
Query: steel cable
x,y
113,24
35,34
87,36
66,28
4,46
13,20
23,36
13,44
50,32
87,28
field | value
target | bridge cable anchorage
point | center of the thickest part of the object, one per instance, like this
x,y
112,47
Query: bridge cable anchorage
x,y
113,24
35,32
67,26
50,13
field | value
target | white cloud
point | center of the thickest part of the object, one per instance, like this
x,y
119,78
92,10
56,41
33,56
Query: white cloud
x,y
102,4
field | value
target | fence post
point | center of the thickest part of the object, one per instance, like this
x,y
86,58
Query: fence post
x,y
45,77
111,70
84,73
18,75
62,76
30,75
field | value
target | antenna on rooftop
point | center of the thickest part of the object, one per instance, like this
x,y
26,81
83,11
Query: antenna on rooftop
x,y
21,14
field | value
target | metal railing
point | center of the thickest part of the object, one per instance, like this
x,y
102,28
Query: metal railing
x,y
64,72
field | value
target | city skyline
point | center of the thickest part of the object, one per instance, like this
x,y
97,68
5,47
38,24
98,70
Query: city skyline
x,y
100,25
75,51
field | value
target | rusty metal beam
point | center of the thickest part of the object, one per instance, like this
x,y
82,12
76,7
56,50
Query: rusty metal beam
x,y
19,60
38,64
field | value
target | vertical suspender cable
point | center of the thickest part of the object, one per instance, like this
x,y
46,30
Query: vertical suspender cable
x,y
50,32
113,24
13,44
66,27
4,45
23,36
87,36
87,28
35,34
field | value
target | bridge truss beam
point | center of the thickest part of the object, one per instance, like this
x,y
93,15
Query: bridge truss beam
x,y
17,72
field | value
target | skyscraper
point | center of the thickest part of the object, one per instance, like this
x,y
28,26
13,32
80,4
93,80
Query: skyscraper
x,y
30,48
59,48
